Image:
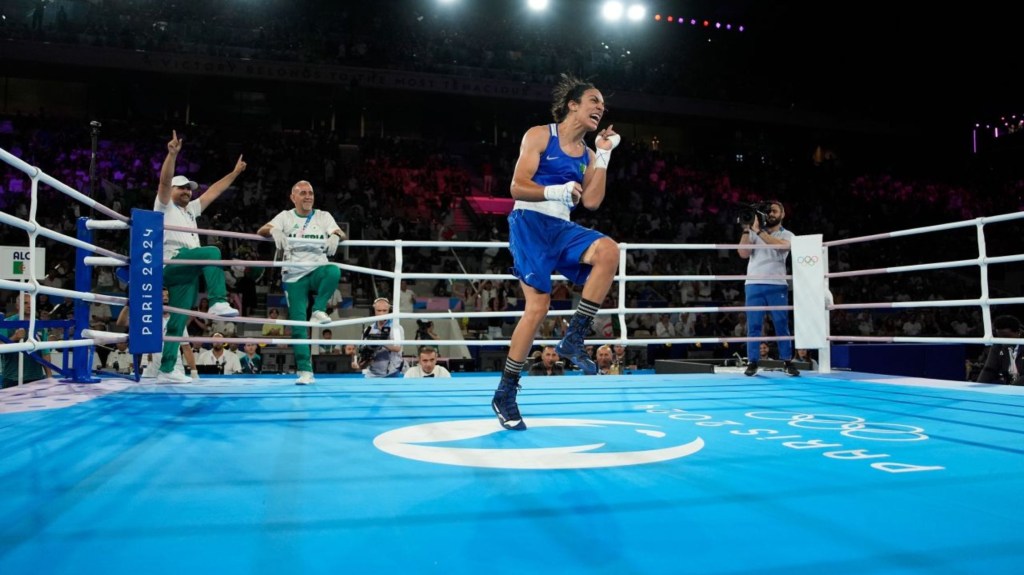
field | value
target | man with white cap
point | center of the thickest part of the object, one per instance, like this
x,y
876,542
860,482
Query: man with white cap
x,y
174,199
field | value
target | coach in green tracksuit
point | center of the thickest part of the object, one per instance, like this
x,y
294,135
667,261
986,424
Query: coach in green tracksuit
x,y
304,222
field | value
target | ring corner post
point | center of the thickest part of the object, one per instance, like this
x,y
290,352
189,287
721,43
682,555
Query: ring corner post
x,y
145,272
81,357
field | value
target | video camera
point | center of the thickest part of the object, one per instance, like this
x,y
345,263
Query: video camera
x,y
758,211
367,351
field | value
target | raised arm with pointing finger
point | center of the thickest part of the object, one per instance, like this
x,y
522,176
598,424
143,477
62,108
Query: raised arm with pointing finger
x,y
174,199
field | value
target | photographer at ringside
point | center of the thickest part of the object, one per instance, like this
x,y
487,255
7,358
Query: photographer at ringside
x,y
375,358
1004,362
762,224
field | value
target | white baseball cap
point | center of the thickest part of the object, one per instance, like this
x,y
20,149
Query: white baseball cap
x,y
182,181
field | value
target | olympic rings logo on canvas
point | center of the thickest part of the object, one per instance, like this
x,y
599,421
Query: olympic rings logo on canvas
x,y
847,425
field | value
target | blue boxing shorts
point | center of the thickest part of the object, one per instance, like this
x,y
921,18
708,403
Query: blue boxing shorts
x,y
541,244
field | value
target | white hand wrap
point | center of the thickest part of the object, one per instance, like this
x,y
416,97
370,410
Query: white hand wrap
x,y
332,244
561,193
280,240
605,156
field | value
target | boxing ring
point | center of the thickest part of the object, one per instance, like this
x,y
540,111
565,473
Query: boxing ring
x,y
830,472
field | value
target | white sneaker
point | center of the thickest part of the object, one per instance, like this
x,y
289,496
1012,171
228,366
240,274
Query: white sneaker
x,y
320,317
173,377
305,378
223,309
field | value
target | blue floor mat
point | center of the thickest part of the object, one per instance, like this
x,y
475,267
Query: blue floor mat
x,y
634,474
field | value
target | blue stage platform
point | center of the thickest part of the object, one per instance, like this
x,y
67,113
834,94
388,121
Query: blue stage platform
x,y
710,474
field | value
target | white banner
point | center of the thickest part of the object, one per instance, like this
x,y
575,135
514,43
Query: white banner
x,y
809,314
15,262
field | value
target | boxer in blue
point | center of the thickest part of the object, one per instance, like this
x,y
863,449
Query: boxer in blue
x,y
555,173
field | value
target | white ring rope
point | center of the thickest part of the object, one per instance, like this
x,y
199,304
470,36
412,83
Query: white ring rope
x,y
462,314
104,336
982,261
934,266
37,288
930,303
444,276
489,343
94,261
976,222
120,222
31,344
38,175
35,229
107,225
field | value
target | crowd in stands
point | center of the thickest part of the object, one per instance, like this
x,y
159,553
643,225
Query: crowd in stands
x,y
412,190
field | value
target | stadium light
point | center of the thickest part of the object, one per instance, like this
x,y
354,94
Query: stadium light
x,y
537,5
612,11
636,12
